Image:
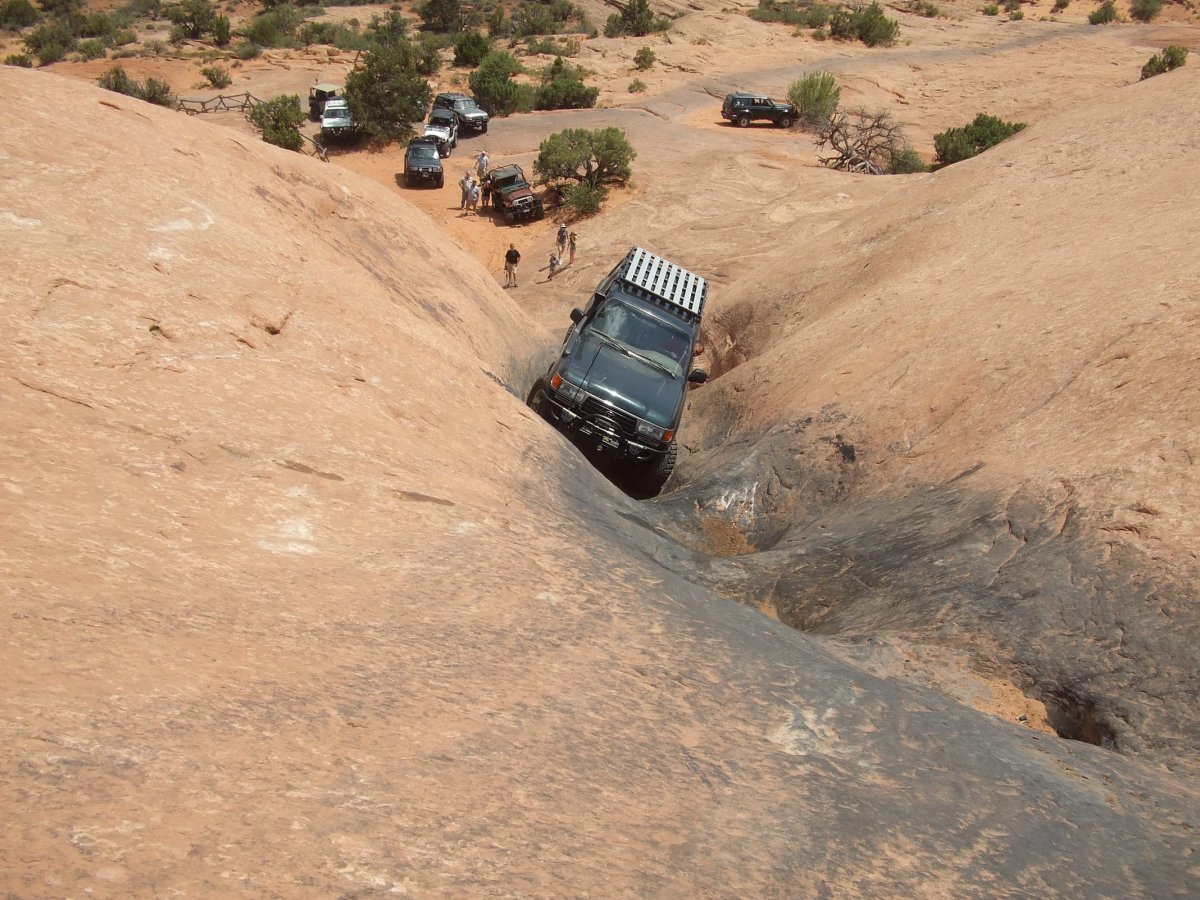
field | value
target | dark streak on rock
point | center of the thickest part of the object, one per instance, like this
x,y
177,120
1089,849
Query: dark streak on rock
x,y
308,470
414,497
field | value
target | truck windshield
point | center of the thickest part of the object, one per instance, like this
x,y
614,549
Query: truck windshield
x,y
664,346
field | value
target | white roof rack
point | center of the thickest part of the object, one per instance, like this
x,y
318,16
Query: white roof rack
x,y
665,280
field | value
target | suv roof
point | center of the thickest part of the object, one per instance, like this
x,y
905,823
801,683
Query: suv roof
x,y
664,280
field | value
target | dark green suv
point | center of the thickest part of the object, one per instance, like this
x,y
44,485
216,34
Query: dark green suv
x,y
742,108
617,389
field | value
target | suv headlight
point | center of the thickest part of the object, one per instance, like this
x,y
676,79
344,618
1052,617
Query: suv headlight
x,y
647,429
572,392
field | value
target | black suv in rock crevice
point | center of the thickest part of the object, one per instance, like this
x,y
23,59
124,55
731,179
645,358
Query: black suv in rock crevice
x,y
617,388
742,108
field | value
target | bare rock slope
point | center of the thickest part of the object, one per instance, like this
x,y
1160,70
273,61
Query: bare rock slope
x,y
301,601
976,419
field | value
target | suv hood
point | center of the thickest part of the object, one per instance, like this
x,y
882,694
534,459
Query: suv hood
x,y
473,113
441,132
625,382
517,191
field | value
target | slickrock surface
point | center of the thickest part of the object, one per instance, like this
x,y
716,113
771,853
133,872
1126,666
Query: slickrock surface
x,y
303,601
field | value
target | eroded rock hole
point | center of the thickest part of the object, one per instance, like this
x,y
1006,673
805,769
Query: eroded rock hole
x,y
1076,718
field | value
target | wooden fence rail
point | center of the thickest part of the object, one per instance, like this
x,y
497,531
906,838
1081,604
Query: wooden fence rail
x,y
241,103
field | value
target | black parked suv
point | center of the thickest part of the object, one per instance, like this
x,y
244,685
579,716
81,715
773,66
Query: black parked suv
x,y
741,109
423,163
470,116
618,386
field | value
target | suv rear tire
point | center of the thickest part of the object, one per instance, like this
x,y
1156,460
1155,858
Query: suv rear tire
x,y
785,122
742,121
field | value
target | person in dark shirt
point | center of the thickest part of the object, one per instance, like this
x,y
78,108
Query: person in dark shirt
x,y
511,258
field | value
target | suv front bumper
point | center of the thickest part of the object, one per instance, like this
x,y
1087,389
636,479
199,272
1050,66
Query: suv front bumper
x,y
595,425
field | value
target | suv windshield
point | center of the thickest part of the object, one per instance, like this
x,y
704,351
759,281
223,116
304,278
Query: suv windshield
x,y
423,150
651,339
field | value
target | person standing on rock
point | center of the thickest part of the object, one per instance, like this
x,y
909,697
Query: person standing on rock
x,y
473,199
481,164
561,242
571,248
486,193
511,258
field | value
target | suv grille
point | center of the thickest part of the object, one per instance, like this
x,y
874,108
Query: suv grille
x,y
596,408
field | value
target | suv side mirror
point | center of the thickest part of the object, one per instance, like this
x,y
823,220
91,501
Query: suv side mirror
x,y
577,315
698,376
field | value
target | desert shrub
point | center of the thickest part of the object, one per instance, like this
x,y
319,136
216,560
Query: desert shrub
x,y
905,161
815,96
279,121
870,143
22,60
1171,58
247,50
493,86
217,76
124,38
957,144
562,87
17,14
276,28
155,90
93,48
222,31
388,94
637,86
152,90
50,42
1016,15
635,19
991,10
62,10
1104,14
387,30
1012,6
1060,5
97,25
583,199
1145,10
550,46
192,18
865,23
644,58
590,158
471,47
442,16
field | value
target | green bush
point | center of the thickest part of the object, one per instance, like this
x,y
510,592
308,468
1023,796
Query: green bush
x,y
637,86
247,50
17,14
222,31
584,199
867,24
192,18
991,10
471,47
387,31
494,88
21,60
549,46
1012,6
153,90
816,96
644,58
1106,13
957,144
276,28
97,25
50,42
124,38
591,158
279,121
1145,10
1171,58
905,161
1060,5
635,19
563,88
442,16
1016,15
388,94
217,76
93,48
